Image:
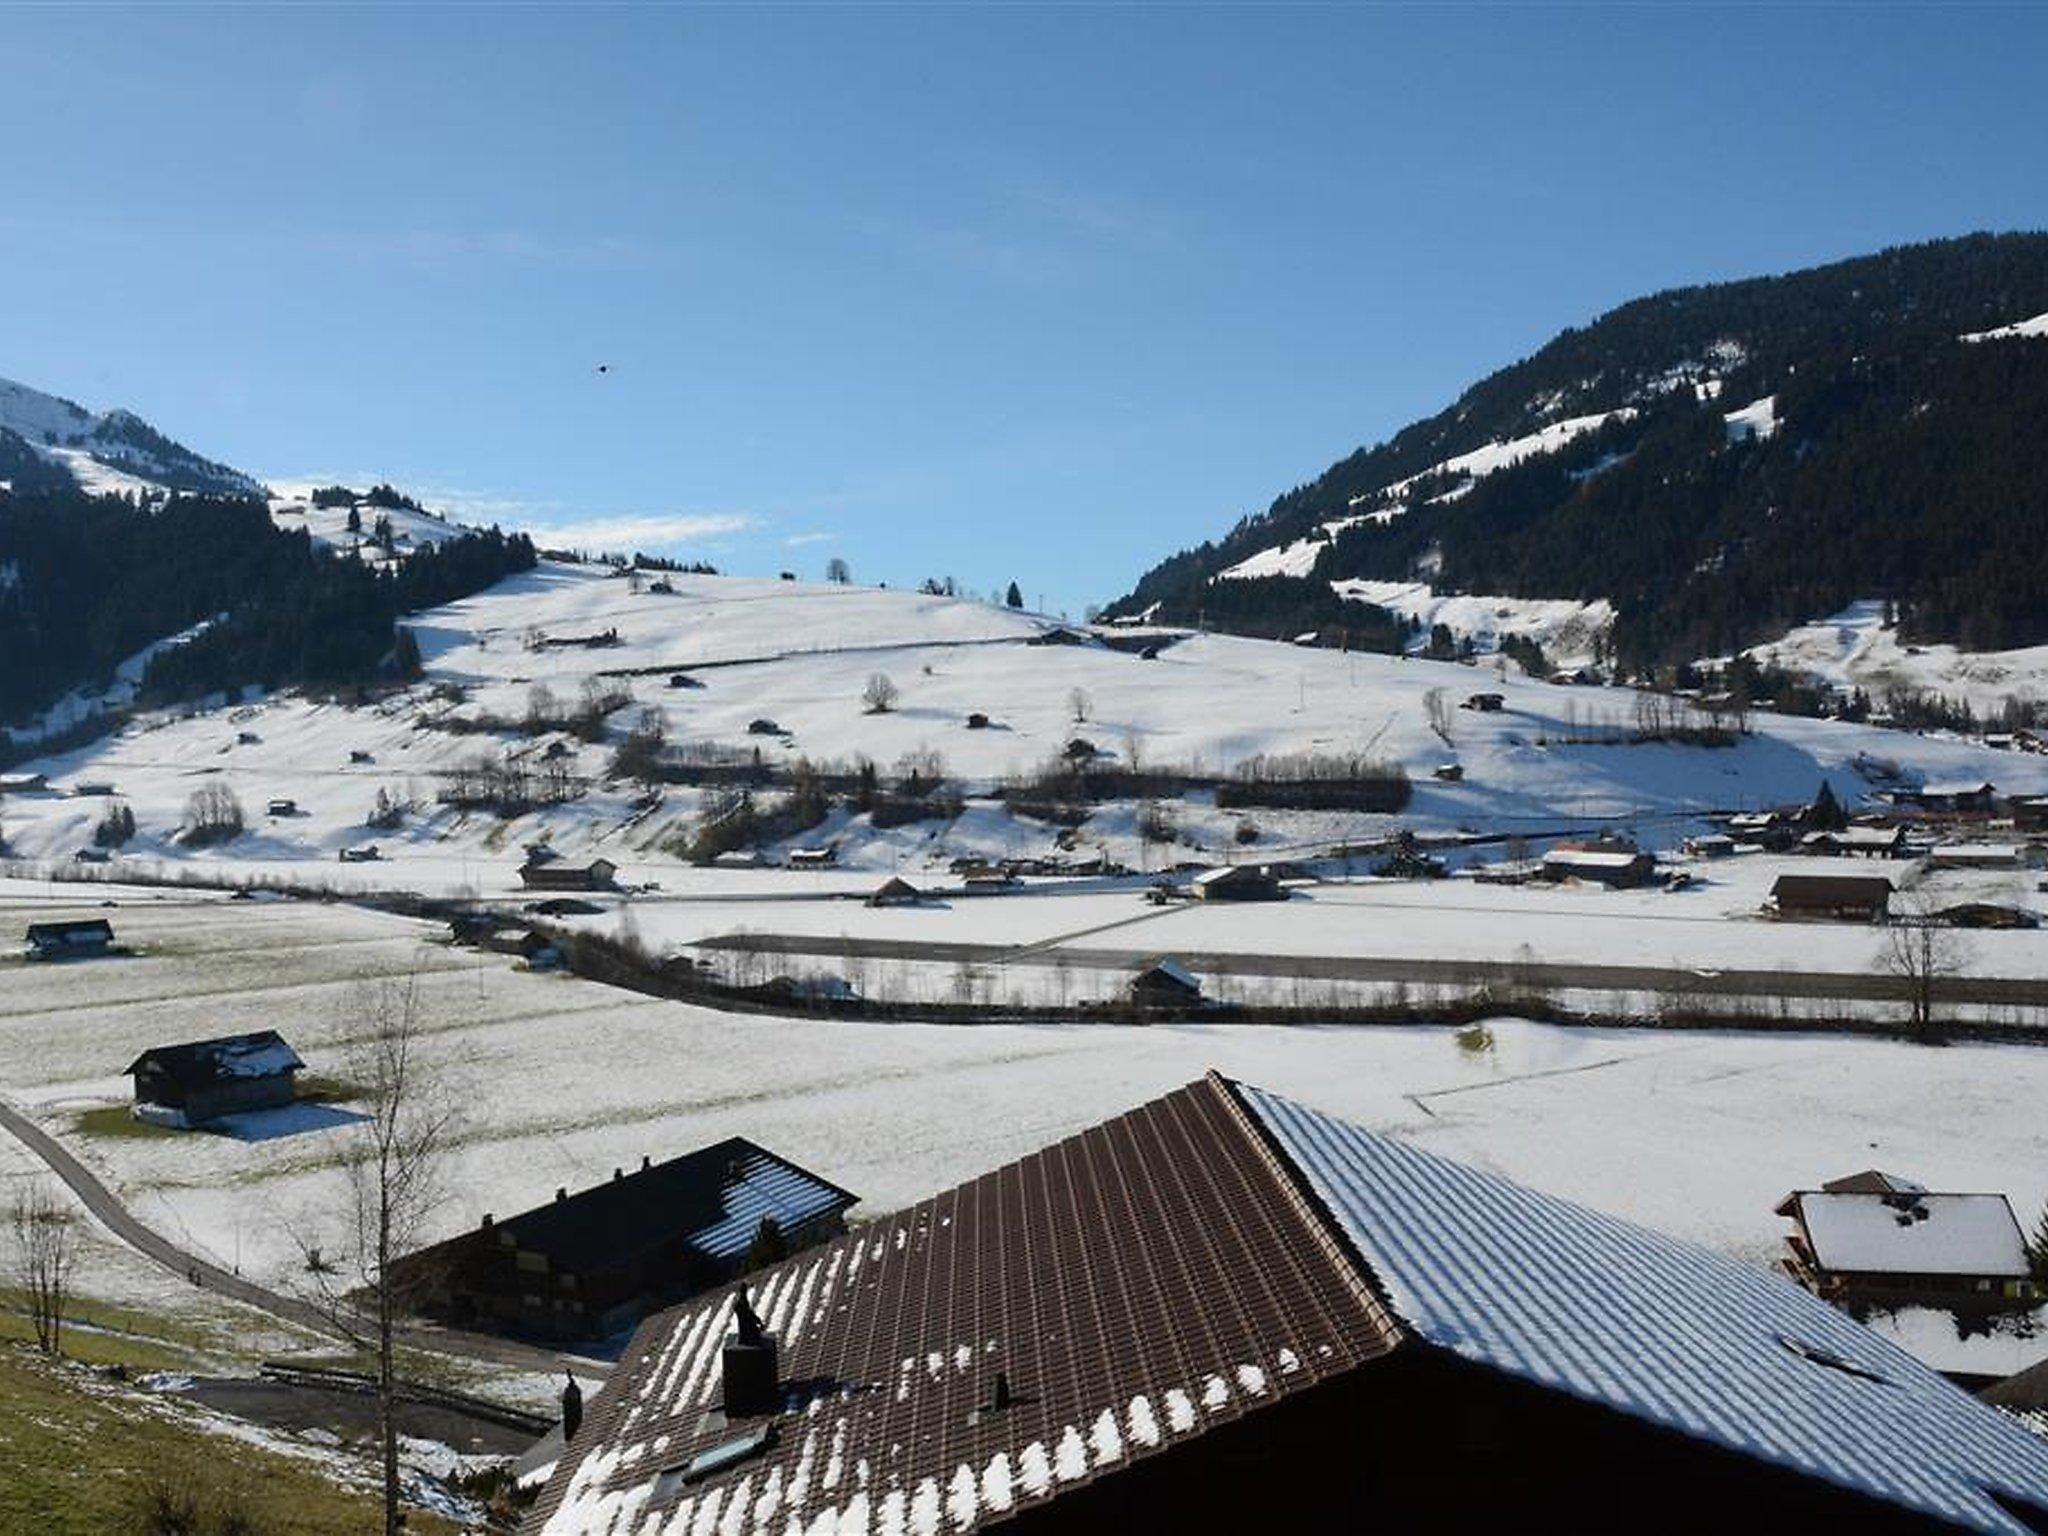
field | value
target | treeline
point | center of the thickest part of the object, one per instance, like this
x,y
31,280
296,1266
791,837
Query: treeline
x,y
87,582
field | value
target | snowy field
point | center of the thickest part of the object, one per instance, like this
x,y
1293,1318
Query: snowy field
x,y
1696,1134
1857,649
799,655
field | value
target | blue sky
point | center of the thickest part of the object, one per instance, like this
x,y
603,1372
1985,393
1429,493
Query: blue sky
x,y
1039,293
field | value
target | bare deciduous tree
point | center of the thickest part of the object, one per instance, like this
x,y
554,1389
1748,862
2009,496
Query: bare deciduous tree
x,y
1436,706
392,1170
212,815
838,572
1922,952
1080,706
880,694
44,1238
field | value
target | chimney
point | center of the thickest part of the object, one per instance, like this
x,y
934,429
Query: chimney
x,y
561,1193
617,1174
751,1385
646,1162
487,1221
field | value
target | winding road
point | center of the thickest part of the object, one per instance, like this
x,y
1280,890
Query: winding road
x,y
106,1207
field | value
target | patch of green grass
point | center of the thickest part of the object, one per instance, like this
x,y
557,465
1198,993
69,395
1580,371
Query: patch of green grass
x,y
104,1333
79,1455
115,1120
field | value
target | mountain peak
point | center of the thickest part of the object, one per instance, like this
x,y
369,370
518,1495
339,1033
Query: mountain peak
x,y
48,441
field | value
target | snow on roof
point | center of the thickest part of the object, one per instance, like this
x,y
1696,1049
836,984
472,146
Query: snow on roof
x,y
1701,1344
1594,858
1920,1234
262,1054
1172,968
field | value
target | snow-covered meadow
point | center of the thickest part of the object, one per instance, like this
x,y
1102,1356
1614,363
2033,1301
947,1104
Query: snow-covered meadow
x,y
800,656
563,1080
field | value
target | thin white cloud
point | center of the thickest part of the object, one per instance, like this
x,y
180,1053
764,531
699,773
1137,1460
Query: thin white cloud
x,y
798,540
649,532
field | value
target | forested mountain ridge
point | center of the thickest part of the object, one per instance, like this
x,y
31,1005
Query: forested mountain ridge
x,y
50,443
1720,462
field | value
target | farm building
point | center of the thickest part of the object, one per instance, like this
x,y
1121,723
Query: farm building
x,y
187,1085
1609,862
2030,812
23,783
1850,898
1971,798
1856,842
554,875
1874,1239
76,939
813,858
1975,856
529,944
895,892
367,854
282,808
93,787
1486,703
1238,882
1165,984
588,1264
1240,1314
1774,831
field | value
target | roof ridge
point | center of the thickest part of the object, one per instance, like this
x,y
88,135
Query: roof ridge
x,y
1329,1233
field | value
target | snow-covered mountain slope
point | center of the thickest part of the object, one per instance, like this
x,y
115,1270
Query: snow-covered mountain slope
x,y
1567,629
328,526
2037,326
111,452
1855,648
1298,557
800,656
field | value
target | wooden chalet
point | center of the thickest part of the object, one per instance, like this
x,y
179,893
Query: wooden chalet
x,y
813,858
1224,1311
1485,703
191,1084
1840,898
895,892
1863,842
590,1263
75,939
1613,862
1238,882
1165,984
282,808
1876,1240
558,875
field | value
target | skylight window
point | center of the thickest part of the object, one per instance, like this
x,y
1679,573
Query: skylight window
x,y
711,1462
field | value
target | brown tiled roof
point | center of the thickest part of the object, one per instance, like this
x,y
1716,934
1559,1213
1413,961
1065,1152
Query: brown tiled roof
x,y
1136,1284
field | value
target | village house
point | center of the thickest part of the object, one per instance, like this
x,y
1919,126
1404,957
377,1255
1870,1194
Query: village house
x,y
1975,856
282,808
1876,1240
1773,831
1486,703
1613,862
555,875
1165,984
23,783
189,1085
1238,882
1223,1311
1844,898
588,1264
895,892
367,854
813,858
77,939
1856,842
529,944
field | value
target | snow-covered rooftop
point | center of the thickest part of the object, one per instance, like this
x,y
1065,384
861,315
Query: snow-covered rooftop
x,y
1588,1305
1916,1234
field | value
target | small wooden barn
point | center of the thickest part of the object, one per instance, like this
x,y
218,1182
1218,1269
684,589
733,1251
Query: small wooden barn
x,y
1165,983
556,875
1238,882
895,892
77,939
190,1084
1840,898
1612,862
